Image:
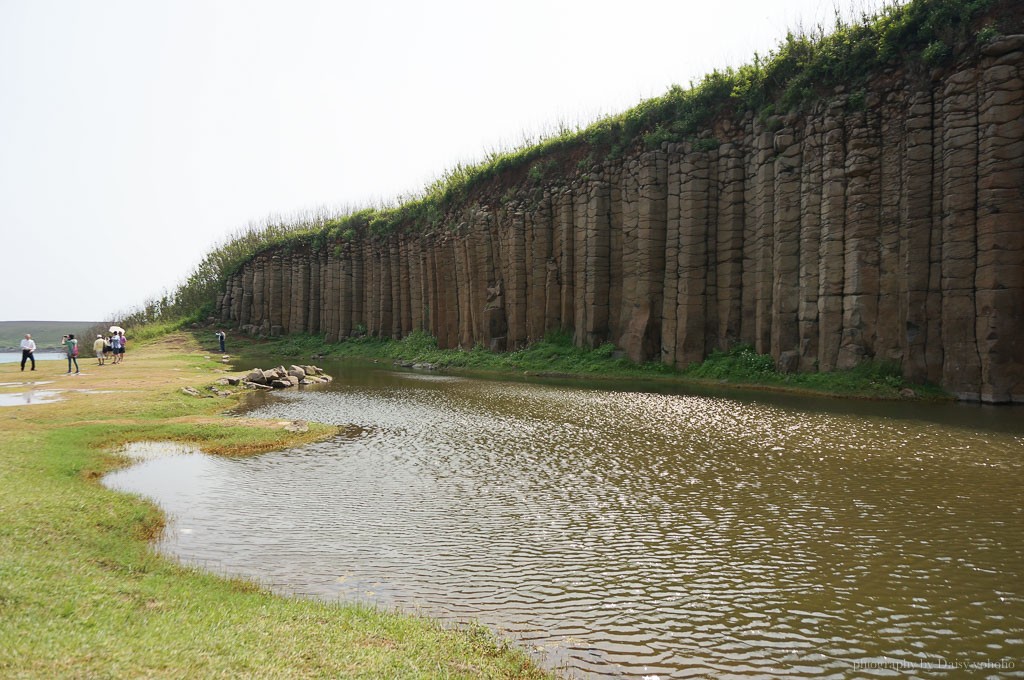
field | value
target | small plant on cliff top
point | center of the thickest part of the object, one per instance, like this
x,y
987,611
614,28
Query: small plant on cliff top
x,y
987,34
936,53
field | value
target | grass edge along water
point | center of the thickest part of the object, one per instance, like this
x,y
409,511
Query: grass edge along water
x,y
83,594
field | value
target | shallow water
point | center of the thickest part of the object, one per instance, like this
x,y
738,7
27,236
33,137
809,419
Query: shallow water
x,y
630,534
29,396
15,357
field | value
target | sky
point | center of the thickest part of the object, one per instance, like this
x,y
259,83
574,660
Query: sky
x,y
137,135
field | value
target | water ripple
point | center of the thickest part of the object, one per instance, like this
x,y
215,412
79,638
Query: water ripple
x,y
629,534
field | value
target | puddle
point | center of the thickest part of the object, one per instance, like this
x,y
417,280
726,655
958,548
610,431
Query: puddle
x,y
30,397
26,382
140,451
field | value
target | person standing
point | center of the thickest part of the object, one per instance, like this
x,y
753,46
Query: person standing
x,y
97,348
115,346
71,348
124,345
221,335
28,349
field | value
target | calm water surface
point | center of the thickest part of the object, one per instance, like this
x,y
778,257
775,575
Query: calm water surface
x,y
15,357
632,534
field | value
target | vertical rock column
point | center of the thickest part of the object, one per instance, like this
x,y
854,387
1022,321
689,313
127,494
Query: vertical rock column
x,y
494,323
316,262
889,344
514,256
565,233
350,293
623,251
538,250
450,292
830,254
248,286
810,242
385,291
417,290
961,369
763,237
478,275
276,295
670,281
785,299
691,285
329,296
404,272
259,287
299,292
285,301
461,246
863,192
915,233
395,269
999,279
595,263
435,282
729,245
552,281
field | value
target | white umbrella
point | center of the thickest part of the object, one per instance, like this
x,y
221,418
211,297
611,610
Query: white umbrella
x,y
116,329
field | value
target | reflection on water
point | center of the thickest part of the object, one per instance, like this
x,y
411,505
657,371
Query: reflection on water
x,y
30,396
625,534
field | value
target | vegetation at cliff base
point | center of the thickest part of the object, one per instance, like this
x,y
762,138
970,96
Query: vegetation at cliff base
x,y
557,356
83,595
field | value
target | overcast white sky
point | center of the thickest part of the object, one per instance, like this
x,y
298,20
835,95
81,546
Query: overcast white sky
x,y
137,134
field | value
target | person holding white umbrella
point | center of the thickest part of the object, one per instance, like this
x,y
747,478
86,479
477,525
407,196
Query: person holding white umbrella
x,y
115,344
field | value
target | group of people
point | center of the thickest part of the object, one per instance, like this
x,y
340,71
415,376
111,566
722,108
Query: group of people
x,y
110,348
104,348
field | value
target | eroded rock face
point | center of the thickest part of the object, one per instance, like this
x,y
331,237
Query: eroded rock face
x,y
889,226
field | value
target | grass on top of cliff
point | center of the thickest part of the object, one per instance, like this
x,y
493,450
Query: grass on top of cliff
x,y
82,593
556,354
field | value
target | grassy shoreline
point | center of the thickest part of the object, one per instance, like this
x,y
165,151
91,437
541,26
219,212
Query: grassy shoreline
x,y
555,356
83,595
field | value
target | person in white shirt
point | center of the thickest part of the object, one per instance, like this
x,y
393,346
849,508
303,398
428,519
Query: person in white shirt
x,y
28,348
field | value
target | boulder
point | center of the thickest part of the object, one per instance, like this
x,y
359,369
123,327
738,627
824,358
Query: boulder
x,y
297,426
256,376
256,386
297,372
789,362
280,384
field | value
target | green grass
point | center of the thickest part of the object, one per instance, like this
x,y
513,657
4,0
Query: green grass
x,y
743,366
556,355
83,595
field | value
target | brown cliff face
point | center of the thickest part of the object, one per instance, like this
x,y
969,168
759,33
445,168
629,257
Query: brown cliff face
x,y
885,225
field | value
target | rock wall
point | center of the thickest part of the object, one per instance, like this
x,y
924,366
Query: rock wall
x,y
884,223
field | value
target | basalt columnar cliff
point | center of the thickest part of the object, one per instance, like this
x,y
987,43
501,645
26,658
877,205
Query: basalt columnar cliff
x,y
885,222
